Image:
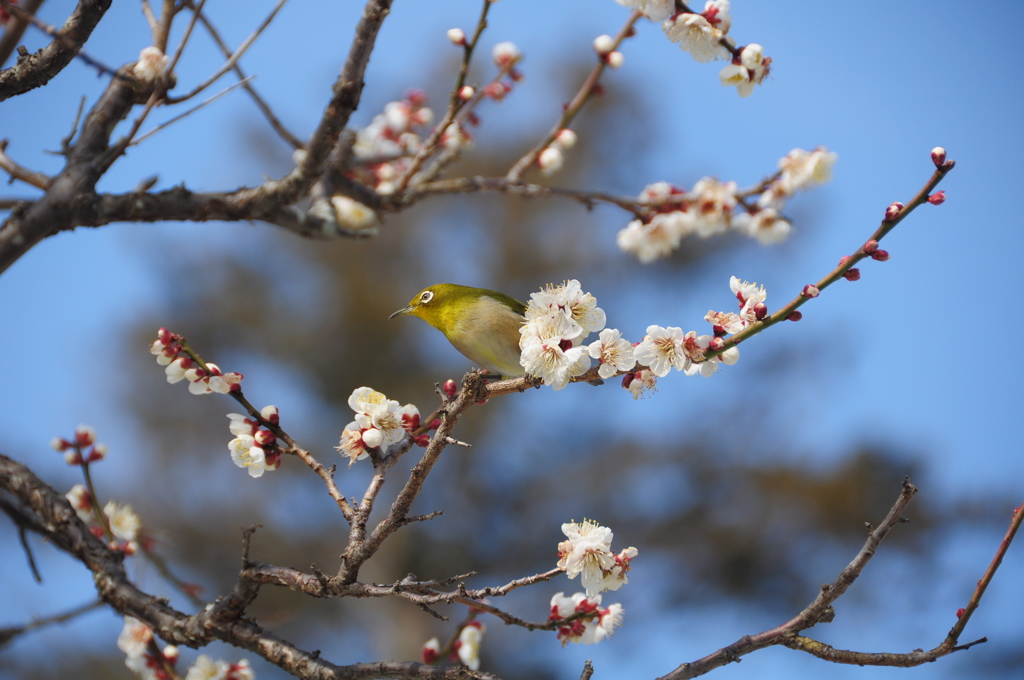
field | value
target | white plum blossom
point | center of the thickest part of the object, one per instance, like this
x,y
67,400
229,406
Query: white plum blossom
x,y
656,10
657,238
588,552
81,501
729,322
593,626
123,521
352,214
550,160
206,668
469,644
714,206
150,65
697,35
640,383
805,169
614,352
380,423
753,66
661,350
552,358
558,319
134,638
246,454
766,225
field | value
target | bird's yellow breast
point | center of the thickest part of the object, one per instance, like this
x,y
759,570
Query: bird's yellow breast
x,y
486,331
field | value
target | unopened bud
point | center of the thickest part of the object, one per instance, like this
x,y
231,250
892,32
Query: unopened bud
x,y
164,336
450,388
416,97
893,211
627,379
880,255
843,260
615,59
430,650
566,138
466,93
72,457
265,438
495,91
810,291
959,612
795,316
938,156
938,198
603,44
760,310
99,452
871,246
85,435
457,36
271,414
550,160
852,274
716,344
60,444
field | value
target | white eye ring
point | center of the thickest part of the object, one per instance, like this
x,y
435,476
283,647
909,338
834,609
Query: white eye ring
x,y
426,297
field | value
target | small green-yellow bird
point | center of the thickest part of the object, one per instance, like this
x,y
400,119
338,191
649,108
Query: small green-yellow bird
x,y
482,324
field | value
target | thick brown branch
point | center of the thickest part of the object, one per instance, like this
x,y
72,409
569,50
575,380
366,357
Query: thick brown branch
x,y
37,69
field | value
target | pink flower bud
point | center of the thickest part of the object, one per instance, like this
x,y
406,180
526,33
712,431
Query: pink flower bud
x,y
85,435
466,93
627,379
435,423
603,44
843,260
164,336
716,344
938,198
871,246
422,440
72,457
495,91
810,291
852,274
959,612
60,444
795,315
265,438
457,36
760,310
938,156
450,388
99,452
615,59
880,255
893,211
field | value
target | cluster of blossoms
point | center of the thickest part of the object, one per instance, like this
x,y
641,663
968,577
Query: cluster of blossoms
x,y
384,147
590,623
167,348
254,446
136,641
465,649
120,520
558,319
81,448
380,423
710,208
702,34
587,551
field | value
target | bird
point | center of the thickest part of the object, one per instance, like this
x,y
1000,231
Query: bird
x,y
482,324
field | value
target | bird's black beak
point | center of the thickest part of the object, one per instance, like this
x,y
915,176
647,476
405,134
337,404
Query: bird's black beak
x,y
401,312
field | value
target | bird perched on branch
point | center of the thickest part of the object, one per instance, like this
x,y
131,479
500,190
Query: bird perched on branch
x,y
482,324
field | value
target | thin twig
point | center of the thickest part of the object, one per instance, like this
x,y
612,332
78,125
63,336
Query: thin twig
x,y
36,179
230,63
210,100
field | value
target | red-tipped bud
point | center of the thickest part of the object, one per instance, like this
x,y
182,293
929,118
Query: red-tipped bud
x,y
85,435
457,36
959,612
422,440
627,379
871,246
795,316
265,437
516,75
810,291
604,44
760,310
98,453
450,388
843,260
893,211
852,274
164,336
880,255
271,414
938,156
416,96
615,59
435,423
716,344
429,652
60,444
466,93
496,91
938,198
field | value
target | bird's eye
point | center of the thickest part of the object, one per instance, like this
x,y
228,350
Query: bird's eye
x,y
426,297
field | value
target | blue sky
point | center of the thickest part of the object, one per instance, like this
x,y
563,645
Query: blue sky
x,y
926,358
